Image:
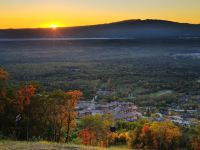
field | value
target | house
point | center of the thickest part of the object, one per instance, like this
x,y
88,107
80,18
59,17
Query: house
x,y
180,121
126,112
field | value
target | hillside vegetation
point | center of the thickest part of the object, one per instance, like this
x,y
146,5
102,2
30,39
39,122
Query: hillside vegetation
x,y
27,112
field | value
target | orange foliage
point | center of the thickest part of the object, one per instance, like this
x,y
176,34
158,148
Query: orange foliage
x,y
158,133
64,114
122,137
70,113
24,96
145,129
3,74
196,145
74,97
88,136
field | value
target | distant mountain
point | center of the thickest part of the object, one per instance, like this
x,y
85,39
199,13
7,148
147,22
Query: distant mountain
x,y
140,29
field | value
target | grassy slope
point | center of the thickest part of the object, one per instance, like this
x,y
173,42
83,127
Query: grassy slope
x,y
43,145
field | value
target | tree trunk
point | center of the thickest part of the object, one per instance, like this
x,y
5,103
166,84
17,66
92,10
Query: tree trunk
x,y
68,127
27,126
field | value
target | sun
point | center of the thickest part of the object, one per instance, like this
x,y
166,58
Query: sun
x,y
53,26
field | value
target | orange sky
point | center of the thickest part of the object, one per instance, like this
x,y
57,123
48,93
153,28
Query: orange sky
x,y
46,13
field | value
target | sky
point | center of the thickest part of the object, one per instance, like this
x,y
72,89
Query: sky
x,y
57,13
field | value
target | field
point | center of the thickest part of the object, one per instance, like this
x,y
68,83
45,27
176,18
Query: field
x,y
134,70
44,145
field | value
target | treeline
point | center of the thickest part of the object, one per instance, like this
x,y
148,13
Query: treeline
x,y
27,112
101,130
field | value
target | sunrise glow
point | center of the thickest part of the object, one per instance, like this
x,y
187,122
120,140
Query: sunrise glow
x,y
53,26
27,13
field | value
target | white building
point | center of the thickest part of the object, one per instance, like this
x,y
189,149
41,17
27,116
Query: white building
x,y
120,110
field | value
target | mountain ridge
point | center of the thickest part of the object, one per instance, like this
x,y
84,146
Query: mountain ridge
x,y
134,28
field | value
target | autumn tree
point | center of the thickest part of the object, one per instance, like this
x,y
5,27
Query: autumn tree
x,y
70,113
134,129
194,137
132,138
88,136
61,113
7,105
57,114
24,96
100,125
3,74
160,135
119,138
146,137
39,116
154,135
3,88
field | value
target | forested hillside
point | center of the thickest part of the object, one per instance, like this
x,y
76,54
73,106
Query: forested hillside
x,y
29,113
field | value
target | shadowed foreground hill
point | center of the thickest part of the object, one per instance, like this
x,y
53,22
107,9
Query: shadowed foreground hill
x,y
140,29
13,145
43,145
